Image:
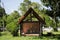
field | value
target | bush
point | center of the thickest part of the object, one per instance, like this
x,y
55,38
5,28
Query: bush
x,y
12,27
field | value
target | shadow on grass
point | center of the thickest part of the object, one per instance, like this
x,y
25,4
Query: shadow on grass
x,y
0,33
52,36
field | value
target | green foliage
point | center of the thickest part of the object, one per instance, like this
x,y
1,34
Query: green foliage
x,y
48,21
12,26
12,21
55,12
2,10
2,14
27,4
0,22
59,24
12,16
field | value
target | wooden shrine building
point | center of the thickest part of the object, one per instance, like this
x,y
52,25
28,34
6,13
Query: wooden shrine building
x,y
31,23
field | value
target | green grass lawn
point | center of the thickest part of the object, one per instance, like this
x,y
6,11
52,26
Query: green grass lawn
x,y
8,36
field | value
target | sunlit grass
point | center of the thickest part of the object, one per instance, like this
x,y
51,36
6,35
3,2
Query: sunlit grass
x,y
56,32
52,32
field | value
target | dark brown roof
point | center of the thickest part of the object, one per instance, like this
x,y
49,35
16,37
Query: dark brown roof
x,y
34,13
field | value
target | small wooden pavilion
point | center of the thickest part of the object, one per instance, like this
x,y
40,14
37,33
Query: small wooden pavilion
x,y
30,26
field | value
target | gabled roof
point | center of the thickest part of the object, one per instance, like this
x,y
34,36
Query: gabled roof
x,y
34,13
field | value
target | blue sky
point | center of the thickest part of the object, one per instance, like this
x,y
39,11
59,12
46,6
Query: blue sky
x,y
11,5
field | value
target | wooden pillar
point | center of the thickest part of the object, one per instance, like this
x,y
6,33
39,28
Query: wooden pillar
x,y
39,30
40,34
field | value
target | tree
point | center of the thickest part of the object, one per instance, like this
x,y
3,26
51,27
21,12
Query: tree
x,y
2,14
27,4
12,16
11,23
54,13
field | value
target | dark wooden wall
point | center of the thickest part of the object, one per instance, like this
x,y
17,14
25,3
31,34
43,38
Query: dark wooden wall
x,y
30,27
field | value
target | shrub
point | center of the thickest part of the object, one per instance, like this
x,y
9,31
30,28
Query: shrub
x,y
12,27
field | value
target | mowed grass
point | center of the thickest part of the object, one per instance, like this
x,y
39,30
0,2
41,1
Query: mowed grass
x,y
8,36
